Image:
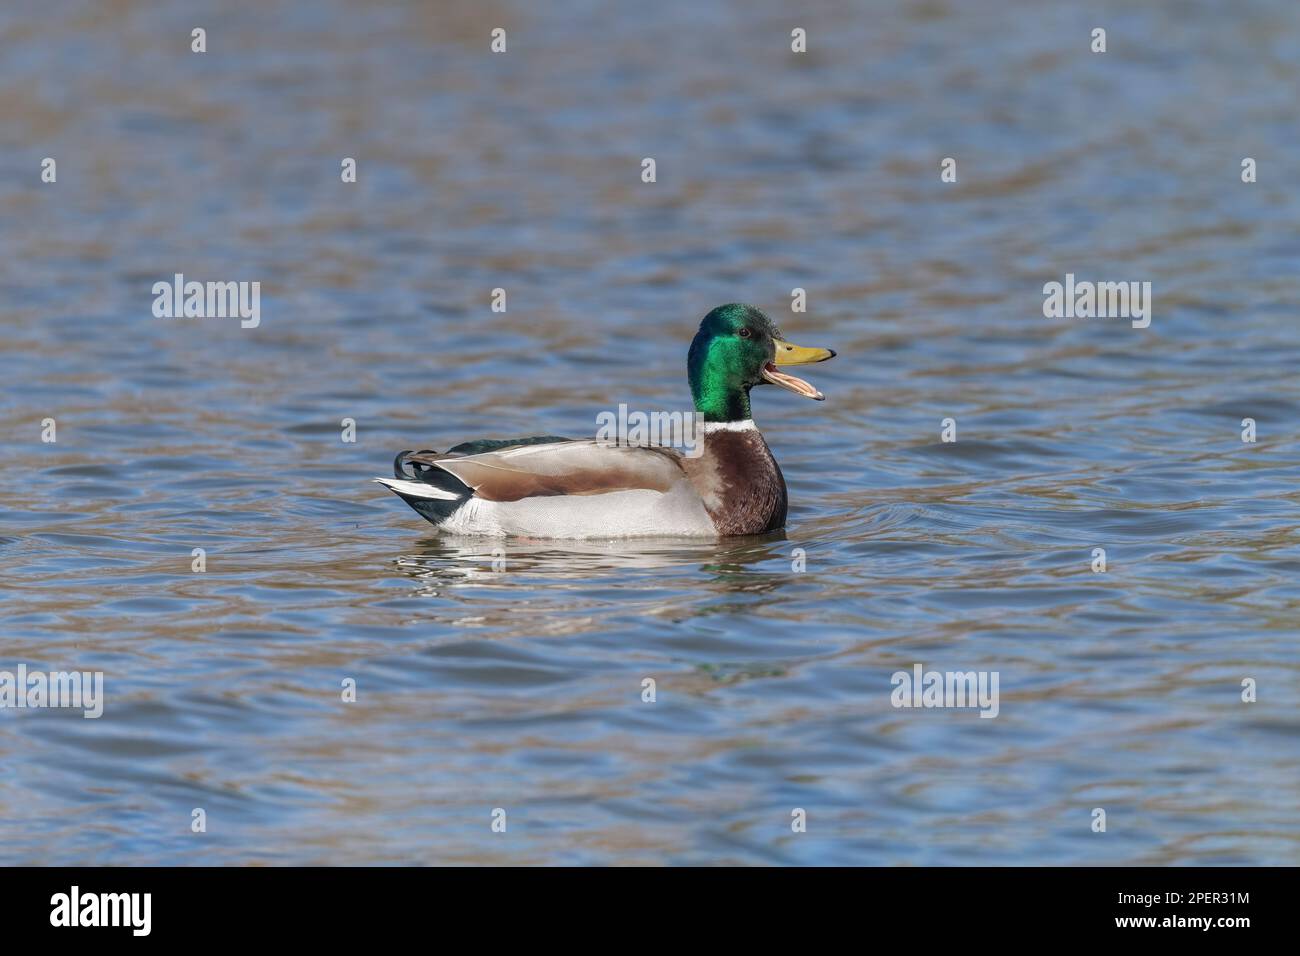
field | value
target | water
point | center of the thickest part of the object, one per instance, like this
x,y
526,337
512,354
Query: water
x,y
522,689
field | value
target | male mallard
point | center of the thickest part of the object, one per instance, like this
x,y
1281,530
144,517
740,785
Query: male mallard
x,y
551,487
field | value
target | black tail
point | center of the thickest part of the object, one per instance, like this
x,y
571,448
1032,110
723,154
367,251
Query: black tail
x,y
433,510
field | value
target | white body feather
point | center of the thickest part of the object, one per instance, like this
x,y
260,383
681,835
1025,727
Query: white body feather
x,y
638,513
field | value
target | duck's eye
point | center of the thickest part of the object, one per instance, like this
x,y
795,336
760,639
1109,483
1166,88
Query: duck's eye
x,y
745,333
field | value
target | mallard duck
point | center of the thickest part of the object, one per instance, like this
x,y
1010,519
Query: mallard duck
x,y
553,487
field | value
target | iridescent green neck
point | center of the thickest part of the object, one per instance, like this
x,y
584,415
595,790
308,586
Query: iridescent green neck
x,y
716,384
723,404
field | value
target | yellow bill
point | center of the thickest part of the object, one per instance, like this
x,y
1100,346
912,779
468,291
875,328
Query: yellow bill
x,y
787,354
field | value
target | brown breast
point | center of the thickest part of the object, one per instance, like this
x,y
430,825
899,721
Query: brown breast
x,y
740,482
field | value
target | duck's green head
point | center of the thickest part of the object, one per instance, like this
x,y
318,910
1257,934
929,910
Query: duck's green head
x,y
736,348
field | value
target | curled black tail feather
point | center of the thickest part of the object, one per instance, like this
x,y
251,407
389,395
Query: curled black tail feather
x,y
399,464
398,470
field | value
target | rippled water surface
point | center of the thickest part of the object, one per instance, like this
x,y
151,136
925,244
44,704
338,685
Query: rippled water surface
x,y
521,689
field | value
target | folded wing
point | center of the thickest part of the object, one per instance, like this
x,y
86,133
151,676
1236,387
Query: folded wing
x,y
559,468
